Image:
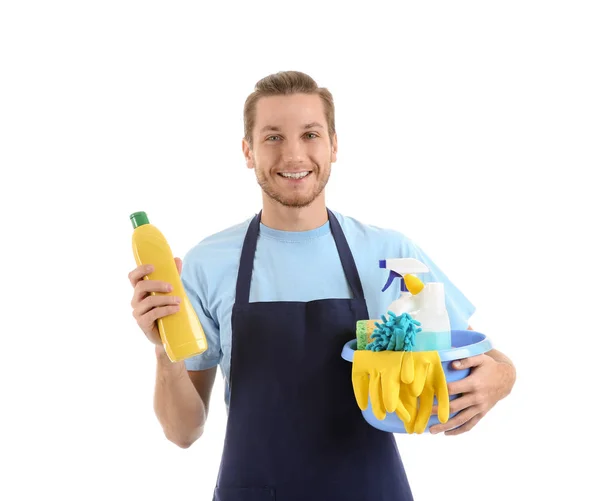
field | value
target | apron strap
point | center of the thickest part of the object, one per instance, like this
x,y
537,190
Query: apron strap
x,y
346,257
242,293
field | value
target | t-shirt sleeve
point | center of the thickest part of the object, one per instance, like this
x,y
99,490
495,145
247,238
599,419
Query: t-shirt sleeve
x,y
459,308
212,356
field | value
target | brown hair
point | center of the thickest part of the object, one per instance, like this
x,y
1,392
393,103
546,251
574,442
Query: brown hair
x,y
286,83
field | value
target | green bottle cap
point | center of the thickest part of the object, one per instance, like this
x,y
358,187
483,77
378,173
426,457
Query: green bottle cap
x,y
138,219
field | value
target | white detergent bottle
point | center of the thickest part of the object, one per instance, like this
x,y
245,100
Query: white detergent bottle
x,y
401,268
435,328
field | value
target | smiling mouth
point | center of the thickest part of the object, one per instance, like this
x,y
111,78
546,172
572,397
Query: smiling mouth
x,y
294,175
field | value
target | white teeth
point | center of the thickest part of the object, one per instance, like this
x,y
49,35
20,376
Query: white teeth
x,y
295,175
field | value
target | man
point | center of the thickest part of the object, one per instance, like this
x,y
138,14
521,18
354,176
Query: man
x,y
278,296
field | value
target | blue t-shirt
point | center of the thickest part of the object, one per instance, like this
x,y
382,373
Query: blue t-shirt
x,y
298,266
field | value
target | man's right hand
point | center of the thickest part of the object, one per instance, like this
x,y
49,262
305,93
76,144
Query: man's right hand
x,y
148,308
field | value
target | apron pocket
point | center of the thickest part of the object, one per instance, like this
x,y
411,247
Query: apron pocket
x,y
244,494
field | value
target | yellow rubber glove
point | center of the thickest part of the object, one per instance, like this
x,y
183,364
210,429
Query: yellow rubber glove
x,y
429,381
377,374
408,403
414,381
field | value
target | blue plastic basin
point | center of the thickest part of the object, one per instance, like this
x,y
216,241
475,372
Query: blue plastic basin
x,y
465,344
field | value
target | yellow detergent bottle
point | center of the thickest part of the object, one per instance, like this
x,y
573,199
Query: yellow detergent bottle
x,y
181,333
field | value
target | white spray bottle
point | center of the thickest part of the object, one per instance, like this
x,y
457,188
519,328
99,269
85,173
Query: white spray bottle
x,y
426,303
410,286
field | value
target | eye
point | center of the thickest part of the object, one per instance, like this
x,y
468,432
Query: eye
x,y
270,137
312,134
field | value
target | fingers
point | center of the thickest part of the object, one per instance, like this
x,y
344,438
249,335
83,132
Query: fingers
x,y
465,385
458,420
376,396
407,410
146,320
421,375
442,395
441,391
145,287
139,273
410,426
458,404
467,426
150,302
360,383
403,413
466,363
408,368
390,387
424,413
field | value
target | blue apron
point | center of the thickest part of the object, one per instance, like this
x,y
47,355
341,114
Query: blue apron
x,y
294,431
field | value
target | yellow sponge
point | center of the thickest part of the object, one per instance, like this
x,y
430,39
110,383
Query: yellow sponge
x,y
364,329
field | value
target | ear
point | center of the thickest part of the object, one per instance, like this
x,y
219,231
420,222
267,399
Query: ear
x,y
247,154
334,148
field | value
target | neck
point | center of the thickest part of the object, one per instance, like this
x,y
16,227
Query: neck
x,y
280,217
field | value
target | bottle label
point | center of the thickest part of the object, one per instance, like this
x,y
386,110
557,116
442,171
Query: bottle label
x,y
430,341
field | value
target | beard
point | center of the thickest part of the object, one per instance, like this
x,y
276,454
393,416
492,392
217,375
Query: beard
x,y
295,200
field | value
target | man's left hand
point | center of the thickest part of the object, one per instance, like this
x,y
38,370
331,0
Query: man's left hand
x,y
488,382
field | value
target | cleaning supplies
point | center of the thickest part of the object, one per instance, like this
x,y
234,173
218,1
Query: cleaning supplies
x,y
398,333
433,318
181,333
410,286
435,385
401,382
397,367
424,302
376,377
364,330
427,381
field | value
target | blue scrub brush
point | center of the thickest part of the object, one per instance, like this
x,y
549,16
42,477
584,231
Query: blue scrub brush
x,y
396,333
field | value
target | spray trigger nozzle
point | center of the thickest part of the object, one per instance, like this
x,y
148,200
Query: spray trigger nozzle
x,y
404,269
391,277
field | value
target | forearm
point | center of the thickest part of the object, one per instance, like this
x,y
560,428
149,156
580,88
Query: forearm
x,y
500,357
177,404
510,374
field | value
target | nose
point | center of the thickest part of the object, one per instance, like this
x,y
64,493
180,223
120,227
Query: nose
x,y
293,151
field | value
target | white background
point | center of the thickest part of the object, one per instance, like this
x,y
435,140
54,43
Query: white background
x,y
472,127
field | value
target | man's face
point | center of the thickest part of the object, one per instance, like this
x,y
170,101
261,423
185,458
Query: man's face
x,y
292,153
